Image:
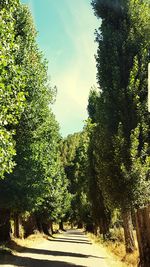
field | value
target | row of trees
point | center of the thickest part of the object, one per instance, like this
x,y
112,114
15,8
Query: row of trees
x,y
75,158
33,182
104,168
108,164
119,143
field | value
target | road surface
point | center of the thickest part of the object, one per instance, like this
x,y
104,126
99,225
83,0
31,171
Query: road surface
x,y
66,250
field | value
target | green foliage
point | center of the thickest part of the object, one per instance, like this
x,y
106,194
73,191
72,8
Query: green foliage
x,y
140,154
96,192
121,71
92,104
12,83
38,183
74,154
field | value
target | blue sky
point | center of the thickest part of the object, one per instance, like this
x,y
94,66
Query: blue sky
x,y
66,36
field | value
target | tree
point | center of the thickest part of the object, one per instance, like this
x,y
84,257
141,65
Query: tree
x,y
12,83
74,153
55,199
101,214
119,44
68,152
38,184
140,136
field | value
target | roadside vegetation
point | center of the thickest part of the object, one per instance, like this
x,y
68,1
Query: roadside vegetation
x,y
117,249
98,178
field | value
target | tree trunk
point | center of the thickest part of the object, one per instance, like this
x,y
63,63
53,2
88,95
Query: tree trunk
x,y
104,227
89,227
101,226
61,226
30,226
5,228
45,228
39,225
80,225
16,225
95,229
143,235
51,228
128,231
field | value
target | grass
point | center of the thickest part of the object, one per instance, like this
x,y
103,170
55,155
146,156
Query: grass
x,y
116,249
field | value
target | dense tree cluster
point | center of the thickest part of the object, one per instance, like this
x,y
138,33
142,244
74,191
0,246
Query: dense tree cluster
x,y
34,178
74,155
113,171
119,143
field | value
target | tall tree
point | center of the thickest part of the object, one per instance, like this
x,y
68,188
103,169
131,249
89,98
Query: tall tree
x,y
37,184
119,45
101,214
75,159
12,83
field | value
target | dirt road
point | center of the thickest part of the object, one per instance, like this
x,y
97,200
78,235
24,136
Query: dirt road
x,y
70,249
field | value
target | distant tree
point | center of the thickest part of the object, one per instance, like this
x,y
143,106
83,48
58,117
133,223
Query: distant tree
x,y
74,152
92,104
80,201
68,152
101,214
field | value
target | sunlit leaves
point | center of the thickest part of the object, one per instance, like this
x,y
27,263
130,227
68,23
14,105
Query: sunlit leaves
x,y
123,54
12,83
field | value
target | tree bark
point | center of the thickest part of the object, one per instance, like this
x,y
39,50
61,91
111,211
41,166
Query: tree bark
x,y
51,228
45,228
80,225
61,226
30,226
128,231
89,227
143,235
16,225
95,229
5,227
104,227
39,225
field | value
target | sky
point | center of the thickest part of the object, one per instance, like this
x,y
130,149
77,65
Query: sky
x,y
66,37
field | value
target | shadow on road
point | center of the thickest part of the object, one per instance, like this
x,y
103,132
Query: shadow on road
x,y
73,239
22,249
30,262
74,233
69,240
54,253
76,236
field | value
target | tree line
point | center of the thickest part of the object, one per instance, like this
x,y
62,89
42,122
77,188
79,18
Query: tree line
x,y
109,172
33,184
89,176
120,141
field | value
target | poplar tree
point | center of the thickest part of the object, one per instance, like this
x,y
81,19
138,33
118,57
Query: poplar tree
x,y
101,214
120,42
12,83
38,183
